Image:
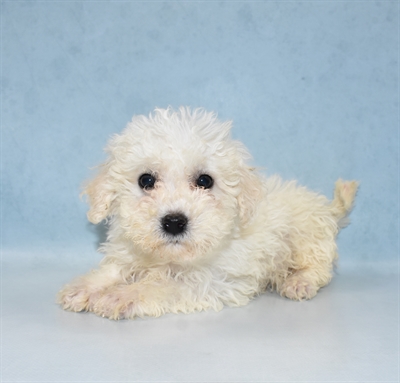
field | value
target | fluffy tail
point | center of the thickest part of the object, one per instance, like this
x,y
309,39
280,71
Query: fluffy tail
x,y
345,192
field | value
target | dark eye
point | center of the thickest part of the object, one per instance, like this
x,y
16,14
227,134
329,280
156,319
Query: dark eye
x,y
147,181
205,181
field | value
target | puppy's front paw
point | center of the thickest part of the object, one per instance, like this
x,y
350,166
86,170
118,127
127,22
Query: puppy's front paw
x,y
78,297
297,287
119,302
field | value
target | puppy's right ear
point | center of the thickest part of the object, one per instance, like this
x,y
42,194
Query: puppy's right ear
x,y
101,193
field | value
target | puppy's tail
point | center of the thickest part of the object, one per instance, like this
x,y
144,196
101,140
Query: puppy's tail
x,y
345,192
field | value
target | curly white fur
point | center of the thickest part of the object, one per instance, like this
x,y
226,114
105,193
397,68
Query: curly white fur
x,y
243,235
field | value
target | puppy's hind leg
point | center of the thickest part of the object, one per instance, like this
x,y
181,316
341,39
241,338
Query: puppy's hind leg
x,y
313,258
305,283
313,243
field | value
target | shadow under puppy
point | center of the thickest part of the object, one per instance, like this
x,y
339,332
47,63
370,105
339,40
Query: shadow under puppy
x,y
192,227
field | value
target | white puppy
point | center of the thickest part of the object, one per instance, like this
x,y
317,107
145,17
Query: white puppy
x,y
192,227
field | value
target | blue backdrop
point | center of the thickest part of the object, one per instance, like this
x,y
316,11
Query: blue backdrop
x,y
312,88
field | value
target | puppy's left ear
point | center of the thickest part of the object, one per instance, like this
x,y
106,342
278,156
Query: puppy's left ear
x,y
250,193
101,193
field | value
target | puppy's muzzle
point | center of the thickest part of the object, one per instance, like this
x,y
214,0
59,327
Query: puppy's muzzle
x,y
174,224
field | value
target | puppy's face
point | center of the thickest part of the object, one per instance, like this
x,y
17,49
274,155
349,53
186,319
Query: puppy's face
x,y
175,186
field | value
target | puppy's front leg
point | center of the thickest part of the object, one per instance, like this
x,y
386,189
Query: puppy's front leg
x,y
153,298
83,292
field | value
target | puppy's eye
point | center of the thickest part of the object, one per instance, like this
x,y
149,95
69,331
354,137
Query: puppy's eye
x,y
147,181
205,181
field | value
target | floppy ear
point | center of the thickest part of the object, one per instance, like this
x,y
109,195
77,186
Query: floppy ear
x,y
250,193
101,193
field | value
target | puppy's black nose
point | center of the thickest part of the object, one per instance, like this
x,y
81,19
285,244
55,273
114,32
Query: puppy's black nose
x,y
174,223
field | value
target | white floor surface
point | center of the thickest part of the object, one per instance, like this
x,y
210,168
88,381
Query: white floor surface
x,y
348,333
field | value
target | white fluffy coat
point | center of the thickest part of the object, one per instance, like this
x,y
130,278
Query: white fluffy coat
x,y
245,234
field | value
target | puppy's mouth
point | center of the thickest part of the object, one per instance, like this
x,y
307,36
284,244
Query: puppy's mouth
x,y
176,246
173,242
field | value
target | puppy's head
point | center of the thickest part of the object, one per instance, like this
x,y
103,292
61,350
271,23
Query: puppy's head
x,y
175,185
